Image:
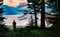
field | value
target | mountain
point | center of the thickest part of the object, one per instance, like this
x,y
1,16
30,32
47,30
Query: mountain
x,y
8,10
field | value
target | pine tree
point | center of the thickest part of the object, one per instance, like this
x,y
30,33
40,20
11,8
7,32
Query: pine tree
x,y
3,28
1,12
31,22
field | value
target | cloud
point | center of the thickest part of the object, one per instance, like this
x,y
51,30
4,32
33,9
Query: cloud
x,y
23,22
14,3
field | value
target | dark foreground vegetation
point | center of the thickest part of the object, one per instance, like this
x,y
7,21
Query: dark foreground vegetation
x,y
29,32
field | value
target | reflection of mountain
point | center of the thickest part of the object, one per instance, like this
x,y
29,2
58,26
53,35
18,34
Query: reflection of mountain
x,y
19,20
12,10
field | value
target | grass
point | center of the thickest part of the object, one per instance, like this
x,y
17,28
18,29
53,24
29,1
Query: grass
x,y
27,32
34,33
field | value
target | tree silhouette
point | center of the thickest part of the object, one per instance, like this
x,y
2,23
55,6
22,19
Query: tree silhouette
x,y
31,22
42,14
36,10
1,12
3,28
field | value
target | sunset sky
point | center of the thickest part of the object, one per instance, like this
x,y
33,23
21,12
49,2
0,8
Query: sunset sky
x,y
15,3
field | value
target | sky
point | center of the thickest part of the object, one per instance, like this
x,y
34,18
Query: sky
x,y
15,3
10,7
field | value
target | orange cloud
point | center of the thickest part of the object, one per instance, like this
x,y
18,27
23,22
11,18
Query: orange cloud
x,y
14,3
